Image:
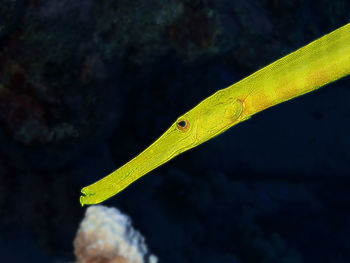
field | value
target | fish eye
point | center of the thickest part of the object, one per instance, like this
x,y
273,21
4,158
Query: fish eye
x,y
182,125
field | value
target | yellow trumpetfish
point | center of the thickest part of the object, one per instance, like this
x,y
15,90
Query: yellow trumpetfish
x,y
306,69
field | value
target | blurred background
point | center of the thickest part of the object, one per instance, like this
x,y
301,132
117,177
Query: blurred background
x,y
86,85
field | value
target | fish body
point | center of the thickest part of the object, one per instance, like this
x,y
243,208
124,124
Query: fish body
x,y
304,70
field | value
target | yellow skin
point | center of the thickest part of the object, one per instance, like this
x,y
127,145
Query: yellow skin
x,y
308,68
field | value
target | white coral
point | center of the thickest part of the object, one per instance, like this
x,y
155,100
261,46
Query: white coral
x,y
106,236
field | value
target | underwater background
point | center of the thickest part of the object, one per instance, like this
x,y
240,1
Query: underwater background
x,y
86,85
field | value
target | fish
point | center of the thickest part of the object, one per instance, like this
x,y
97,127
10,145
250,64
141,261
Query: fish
x,y
315,65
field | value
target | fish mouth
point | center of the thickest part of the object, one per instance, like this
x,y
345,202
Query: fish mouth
x,y
85,196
